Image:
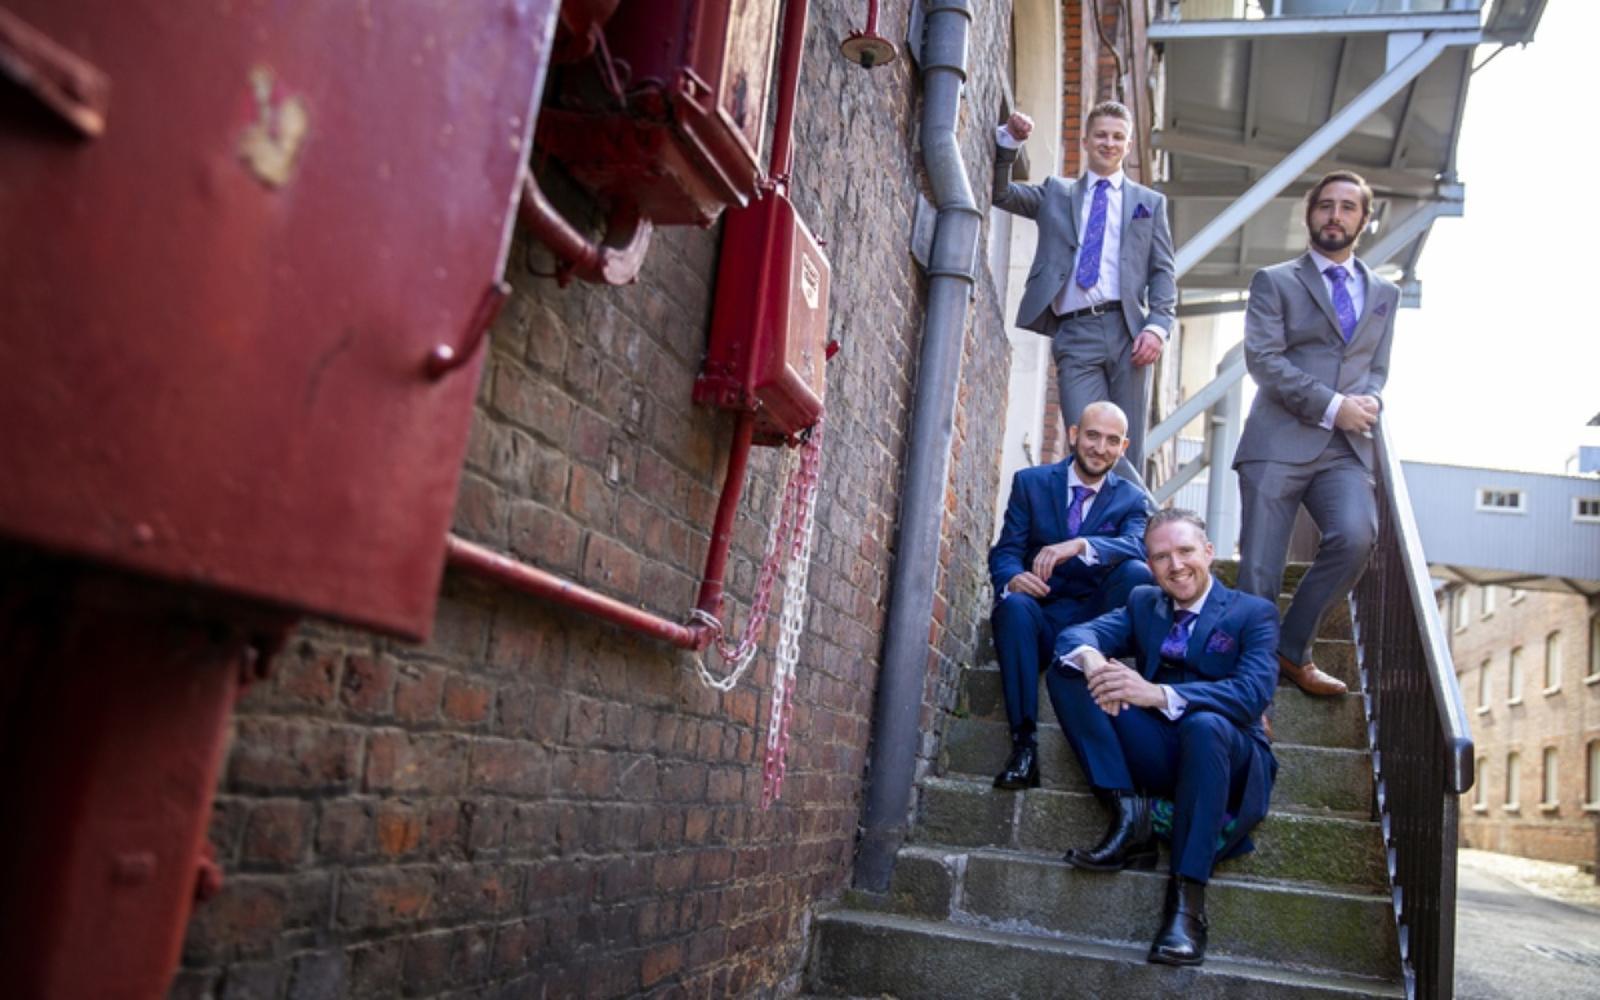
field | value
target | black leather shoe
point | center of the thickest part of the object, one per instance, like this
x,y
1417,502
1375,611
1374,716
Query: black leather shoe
x,y
1182,938
1021,770
1130,840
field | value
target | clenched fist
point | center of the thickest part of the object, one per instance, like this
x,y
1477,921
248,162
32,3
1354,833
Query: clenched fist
x,y
1020,126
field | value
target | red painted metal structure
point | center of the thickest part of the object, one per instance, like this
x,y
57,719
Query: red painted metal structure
x,y
769,327
248,256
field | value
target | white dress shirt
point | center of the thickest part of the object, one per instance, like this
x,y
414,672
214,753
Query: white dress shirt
x,y
1356,285
1176,703
1108,287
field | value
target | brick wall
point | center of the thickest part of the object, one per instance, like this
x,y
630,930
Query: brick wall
x,y
533,804
1565,717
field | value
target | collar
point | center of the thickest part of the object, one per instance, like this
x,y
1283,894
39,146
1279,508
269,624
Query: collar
x,y
1322,264
1073,480
1199,602
1090,177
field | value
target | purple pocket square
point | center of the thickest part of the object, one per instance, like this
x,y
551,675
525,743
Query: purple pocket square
x,y
1140,212
1220,642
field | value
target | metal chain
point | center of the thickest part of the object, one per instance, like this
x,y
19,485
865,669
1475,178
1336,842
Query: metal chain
x,y
793,521
791,623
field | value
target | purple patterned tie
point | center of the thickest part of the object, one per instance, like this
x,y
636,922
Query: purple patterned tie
x,y
1089,256
1343,306
1176,644
1075,509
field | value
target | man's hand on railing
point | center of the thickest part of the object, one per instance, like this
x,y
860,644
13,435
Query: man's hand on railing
x,y
1357,413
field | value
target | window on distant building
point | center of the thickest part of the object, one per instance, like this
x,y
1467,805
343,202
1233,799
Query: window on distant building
x,y
1459,599
1483,686
1488,600
1517,594
1514,677
1594,649
1480,798
1586,509
1548,793
1593,781
1552,663
1500,501
1512,785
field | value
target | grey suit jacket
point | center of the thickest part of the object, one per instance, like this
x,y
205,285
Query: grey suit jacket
x,y
1294,351
1149,288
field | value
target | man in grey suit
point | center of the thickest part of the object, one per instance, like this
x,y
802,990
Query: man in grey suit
x,y
1102,285
1316,338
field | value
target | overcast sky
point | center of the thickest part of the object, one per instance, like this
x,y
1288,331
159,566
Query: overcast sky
x,y
1501,365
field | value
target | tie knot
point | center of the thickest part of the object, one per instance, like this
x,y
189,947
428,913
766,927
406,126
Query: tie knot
x,y
1338,273
1081,493
1181,618
1102,184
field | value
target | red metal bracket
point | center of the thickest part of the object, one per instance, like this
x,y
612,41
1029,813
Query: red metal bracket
x,y
65,83
614,262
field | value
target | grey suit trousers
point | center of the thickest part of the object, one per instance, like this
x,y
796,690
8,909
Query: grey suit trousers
x,y
1094,361
1338,493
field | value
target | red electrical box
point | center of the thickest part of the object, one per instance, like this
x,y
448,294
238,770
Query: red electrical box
x,y
672,121
231,238
769,330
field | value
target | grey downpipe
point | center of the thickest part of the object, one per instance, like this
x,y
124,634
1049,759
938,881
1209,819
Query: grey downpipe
x,y
896,735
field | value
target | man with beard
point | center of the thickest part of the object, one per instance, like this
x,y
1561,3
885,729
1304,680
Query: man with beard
x,y
1071,547
1102,285
1178,718
1317,336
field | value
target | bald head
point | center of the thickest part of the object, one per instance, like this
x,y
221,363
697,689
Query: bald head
x,y
1098,439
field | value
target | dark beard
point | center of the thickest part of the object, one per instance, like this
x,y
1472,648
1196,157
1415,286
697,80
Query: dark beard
x,y
1330,245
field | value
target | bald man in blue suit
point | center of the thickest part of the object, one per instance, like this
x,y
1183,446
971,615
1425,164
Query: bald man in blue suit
x,y
1164,698
1072,547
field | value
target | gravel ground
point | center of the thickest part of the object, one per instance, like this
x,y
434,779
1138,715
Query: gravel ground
x,y
1566,883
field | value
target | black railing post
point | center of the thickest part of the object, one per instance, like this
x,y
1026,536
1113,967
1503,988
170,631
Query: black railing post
x,y
1421,747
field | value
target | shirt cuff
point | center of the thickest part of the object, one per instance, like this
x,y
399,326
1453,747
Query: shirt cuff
x,y
1176,703
1073,660
1089,556
1005,140
1158,331
1332,411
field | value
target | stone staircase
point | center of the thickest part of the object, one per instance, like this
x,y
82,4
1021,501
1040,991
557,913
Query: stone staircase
x,y
981,904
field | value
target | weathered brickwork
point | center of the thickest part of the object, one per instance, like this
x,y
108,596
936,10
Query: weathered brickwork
x,y
533,804
1563,716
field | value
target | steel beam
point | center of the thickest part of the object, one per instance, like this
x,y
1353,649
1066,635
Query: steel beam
x,y
1317,145
1303,27
1229,371
1393,239
1231,151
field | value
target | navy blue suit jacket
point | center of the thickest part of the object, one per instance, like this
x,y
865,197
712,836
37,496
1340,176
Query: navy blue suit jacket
x,y
1230,668
1036,516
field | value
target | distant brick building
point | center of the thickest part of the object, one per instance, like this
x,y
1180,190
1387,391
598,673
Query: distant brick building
x,y
1529,667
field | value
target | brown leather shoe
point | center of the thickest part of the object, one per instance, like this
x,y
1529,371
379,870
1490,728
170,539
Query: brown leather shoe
x,y
1309,679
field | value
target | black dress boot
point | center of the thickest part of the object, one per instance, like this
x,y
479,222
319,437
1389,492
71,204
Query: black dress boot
x,y
1182,938
1022,768
1130,840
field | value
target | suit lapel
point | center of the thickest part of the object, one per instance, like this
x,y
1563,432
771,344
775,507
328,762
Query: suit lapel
x,y
1077,209
1210,614
1376,296
1309,277
1130,201
1060,491
1160,625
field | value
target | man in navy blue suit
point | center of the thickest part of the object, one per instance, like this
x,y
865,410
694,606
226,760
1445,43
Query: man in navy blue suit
x,y
1178,717
1071,547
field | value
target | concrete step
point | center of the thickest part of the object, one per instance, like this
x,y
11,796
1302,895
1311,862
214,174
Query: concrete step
x,y
1309,777
1296,716
1297,846
860,954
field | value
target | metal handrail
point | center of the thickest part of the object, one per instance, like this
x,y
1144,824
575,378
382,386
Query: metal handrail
x,y
1422,751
